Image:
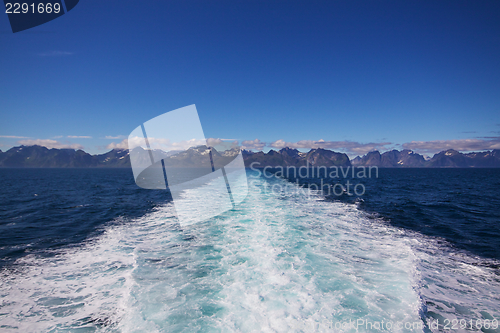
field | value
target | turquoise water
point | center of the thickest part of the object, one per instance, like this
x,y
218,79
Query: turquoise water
x,y
282,261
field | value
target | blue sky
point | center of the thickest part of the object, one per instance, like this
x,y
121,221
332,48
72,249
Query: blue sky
x,y
359,75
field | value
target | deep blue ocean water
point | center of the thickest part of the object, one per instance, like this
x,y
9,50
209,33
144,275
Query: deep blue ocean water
x,y
85,250
461,206
49,208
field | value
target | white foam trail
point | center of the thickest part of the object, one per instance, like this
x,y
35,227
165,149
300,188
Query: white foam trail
x,y
278,263
456,285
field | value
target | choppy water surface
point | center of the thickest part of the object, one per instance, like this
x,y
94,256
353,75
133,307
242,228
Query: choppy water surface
x,y
92,252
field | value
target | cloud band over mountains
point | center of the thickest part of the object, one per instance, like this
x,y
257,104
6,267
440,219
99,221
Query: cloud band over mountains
x,y
352,148
357,148
465,145
349,147
50,144
423,147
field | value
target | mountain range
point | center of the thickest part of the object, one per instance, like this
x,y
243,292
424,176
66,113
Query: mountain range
x,y
42,157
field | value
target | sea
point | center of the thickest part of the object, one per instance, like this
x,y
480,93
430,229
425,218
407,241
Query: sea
x,y
397,250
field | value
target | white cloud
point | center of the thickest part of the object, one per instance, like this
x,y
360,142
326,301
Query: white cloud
x,y
109,137
79,137
213,142
13,137
159,143
253,144
121,145
166,144
50,144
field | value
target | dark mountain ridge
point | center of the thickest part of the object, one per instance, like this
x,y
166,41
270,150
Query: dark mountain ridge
x,y
42,157
293,157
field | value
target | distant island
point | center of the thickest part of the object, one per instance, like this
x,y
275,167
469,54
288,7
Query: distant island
x,y
42,157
